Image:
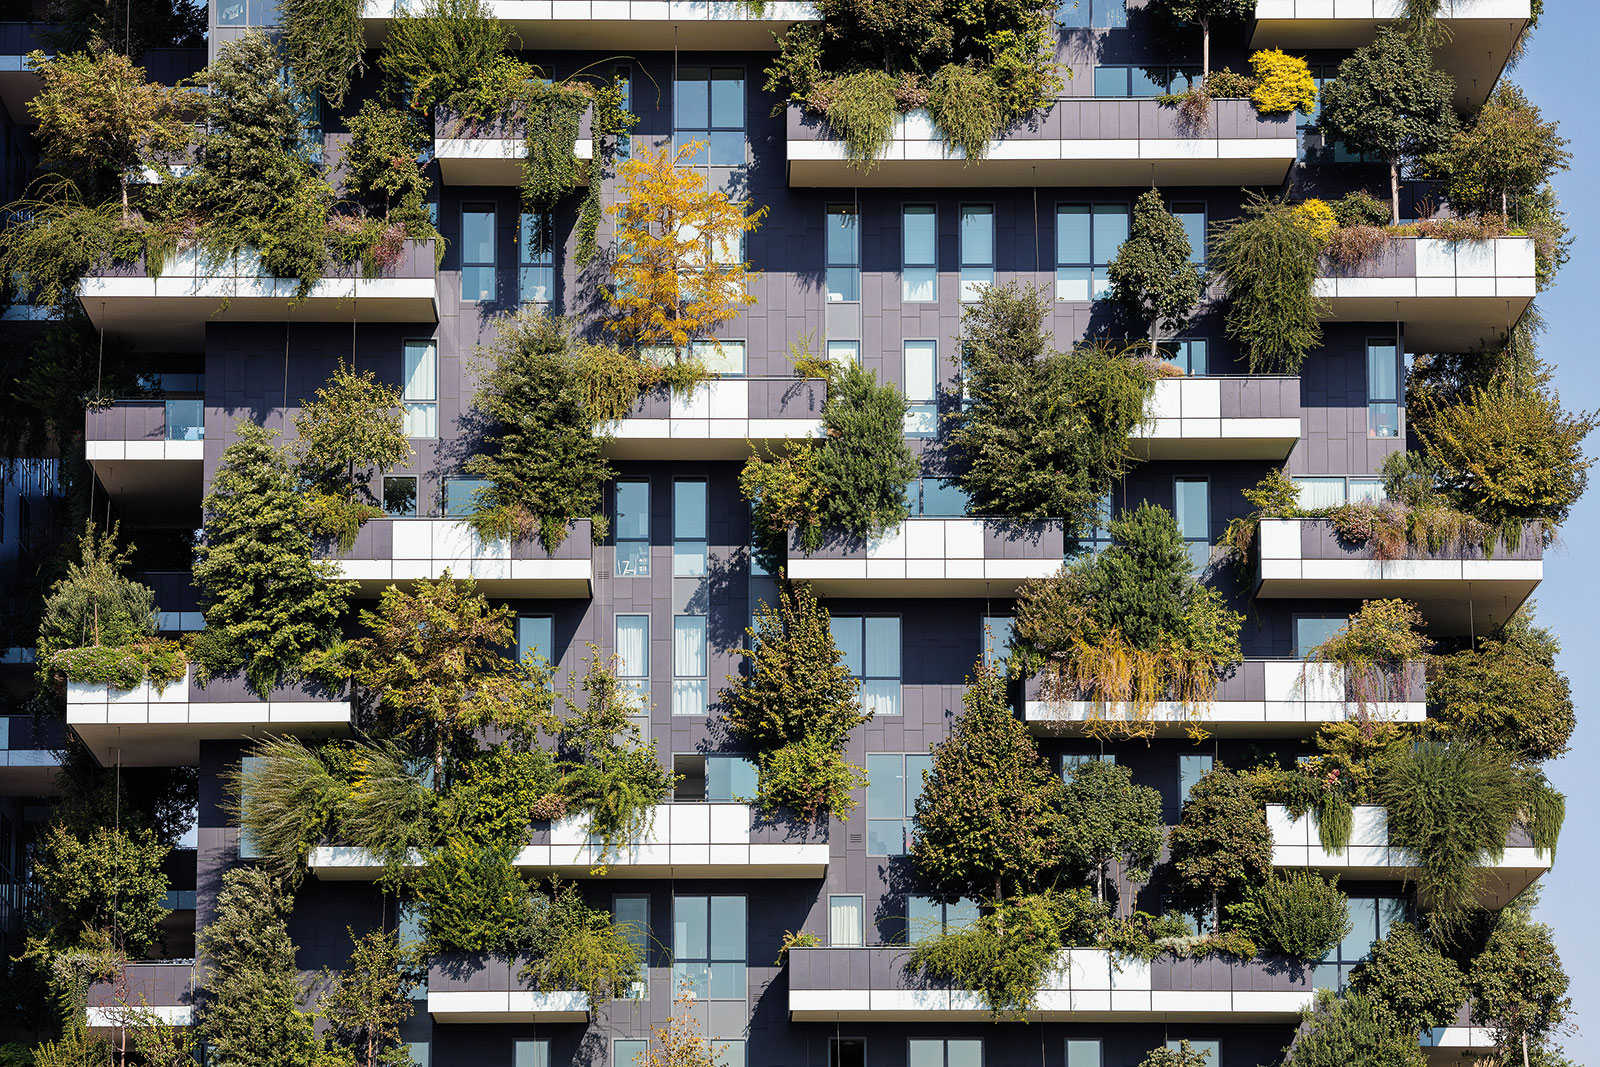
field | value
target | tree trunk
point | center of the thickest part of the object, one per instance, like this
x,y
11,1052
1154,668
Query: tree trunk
x,y
1524,1049
1394,192
1205,50
122,179
1155,334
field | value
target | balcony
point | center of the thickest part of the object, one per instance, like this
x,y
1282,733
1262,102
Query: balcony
x,y
719,420
934,558
1454,1043
149,455
30,755
389,551
689,840
492,152
1077,141
1215,418
169,312
473,988
163,989
1482,33
871,984
1459,589
150,727
1369,855
1449,296
1256,698
609,25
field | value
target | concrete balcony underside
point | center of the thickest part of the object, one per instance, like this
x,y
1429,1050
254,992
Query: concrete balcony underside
x,y
1077,141
631,25
1459,589
152,479
1446,296
1370,857
150,727
474,988
934,558
169,312
397,551
691,840
719,420
1244,418
1480,33
1256,698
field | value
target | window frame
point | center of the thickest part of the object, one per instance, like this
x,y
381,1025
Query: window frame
x,y
1199,547
717,905
860,938
638,564
1099,261
906,820
1375,402
468,267
682,135
850,268
921,418
881,698
976,274
532,261
689,541
919,273
425,407
696,697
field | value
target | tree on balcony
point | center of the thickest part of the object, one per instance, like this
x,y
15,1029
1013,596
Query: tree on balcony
x,y
108,878
1267,259
865,465
324,46
1109,819
1506,691
1391,102
1502,159
1153,275
1205,13
1221,845
1342,1030
1518,987
450,52
351,430
1412,979
365,1003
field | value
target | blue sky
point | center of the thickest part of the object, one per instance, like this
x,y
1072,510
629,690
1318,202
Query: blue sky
x,y
1556,73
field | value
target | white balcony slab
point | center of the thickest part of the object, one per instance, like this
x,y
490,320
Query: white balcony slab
x,y
928,557
492,160
716,420
508,1006
651,25
428,548
113,1018
1185,420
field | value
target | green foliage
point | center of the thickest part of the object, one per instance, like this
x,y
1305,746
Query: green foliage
x,y
1506,692
1221,845
268,601
124,666
796,706
860,108
538,449
492,799
389,810
450,52
865,467
55,237
1391,102
550,169
1341,1030
1045,433
1415,982
1267,259
1108,819
1185,1055
353,428
161,799
323,44
1518,987
786,492
1275,496
382,169
1373,648
108,879
284,799
989,820
1505,157
1152,275
576,946
1360,208
473,900
366,1003
249,1015
966,108
1298,914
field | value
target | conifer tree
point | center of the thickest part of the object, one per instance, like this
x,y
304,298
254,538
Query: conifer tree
x,y
95,603
866,466
1152,275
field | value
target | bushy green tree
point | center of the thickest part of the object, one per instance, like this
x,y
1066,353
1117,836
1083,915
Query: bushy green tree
x,y
1506,692
353,429
1299,914
1045,434
1390,101
1506,155
866,466
451,52
574,945
796,705
382,165
1342,1030
1267,259
473,900
1108,819
1221,845
324,46
1152,275
494,794
95,603
248,1013
1203,13
108,879
1185,1055
1518,987
267,600
1415,982
989,820
366,1002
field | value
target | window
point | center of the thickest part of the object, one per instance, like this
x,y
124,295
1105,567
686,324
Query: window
x,y
720,357
1211,1050
1141,81
690,687
1193,218
477,252
1073,760
727,1053
921,361
710,109
461,496
997,638
919,276
1085,1052
842,354
927,917
1370,919
400,496
730,778
1366,491
633,921
536,257
629,1053
256,13
1189,355
977,249
526,1053
846,919
709,946
894,782
847,1052
1190,770
1316,493
688,527
248,849
871,647
1098,535
844,253
633,659
1193,499
926,1052
1310,631
419,391
1095,14
536,637
623,75
1087,239
936,498
1383,388
633,528
421,1053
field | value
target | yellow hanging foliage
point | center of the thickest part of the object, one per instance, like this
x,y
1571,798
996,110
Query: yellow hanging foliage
x,y
1283,83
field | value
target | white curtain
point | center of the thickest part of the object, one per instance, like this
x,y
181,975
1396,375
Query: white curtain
x,y
844,921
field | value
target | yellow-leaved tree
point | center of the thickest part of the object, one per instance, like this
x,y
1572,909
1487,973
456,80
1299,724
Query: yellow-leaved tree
x,y
679,271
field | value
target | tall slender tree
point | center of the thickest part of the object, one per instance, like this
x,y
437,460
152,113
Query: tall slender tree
x,y
1203,13
1153,275
1108,819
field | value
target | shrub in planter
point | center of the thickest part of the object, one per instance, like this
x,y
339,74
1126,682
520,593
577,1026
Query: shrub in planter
x,y
1298,914
1506,692
1222,845
1316,216
1360,208
1373,649
1283,83
1267,259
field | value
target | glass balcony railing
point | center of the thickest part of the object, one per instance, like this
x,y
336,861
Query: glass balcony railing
x,y
186,420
